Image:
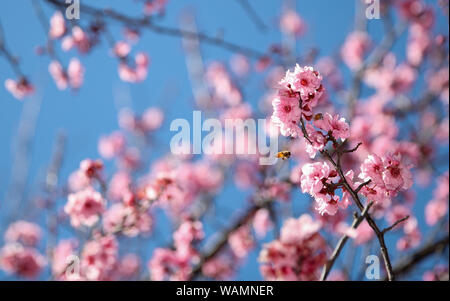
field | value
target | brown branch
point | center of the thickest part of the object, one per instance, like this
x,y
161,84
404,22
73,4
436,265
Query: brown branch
x,y
250,11
408,263
222,241
394,224
10,58
165,30
340,245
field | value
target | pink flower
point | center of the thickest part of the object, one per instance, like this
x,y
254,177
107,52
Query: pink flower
x,y
75,72
240,65
91,168
119,186
112,145
299,254
152,119
84,207
57,25
396,175
62,260
438,83
317,139
59,75
416,11
99,258
292,24
19,89
126,220
306,81
165,265
154,6
300,229
188,233
223,90
316,180
438,273
364,233
129,266
390,79
219,267
25,262
241,241
388,173
262,222
371,169
438,206
355,47
418,43
24,232
73,76
286,113
338,127
136,74
412,236
78,39
121,49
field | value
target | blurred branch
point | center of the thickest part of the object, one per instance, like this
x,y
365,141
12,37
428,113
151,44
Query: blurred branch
x,y
421,254
253,16
12,60
22,154
147,23
222,240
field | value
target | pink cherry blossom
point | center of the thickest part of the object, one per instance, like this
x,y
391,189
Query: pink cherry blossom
x,y
121,49
299,254
438,206
219,267
62,260
135,74
24,232
354,49
389,174
75,72
84,207
292,24
240,65
154,6
99,258
262,222
78,39
25,262
364,233
306,81
418,43
59,75
57,25
19,89
126,220
316,143
286,113
316,180
241,241
152,119
338,127
112,145
129,266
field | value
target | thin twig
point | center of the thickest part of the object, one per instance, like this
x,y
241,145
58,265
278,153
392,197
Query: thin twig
x,y
394,224
340,245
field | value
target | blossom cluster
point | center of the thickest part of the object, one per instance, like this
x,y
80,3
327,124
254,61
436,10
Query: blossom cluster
x,y
298,254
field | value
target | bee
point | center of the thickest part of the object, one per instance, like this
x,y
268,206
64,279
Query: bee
x,y
284,155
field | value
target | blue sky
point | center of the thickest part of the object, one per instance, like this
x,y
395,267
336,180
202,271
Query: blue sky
x,y
87,114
